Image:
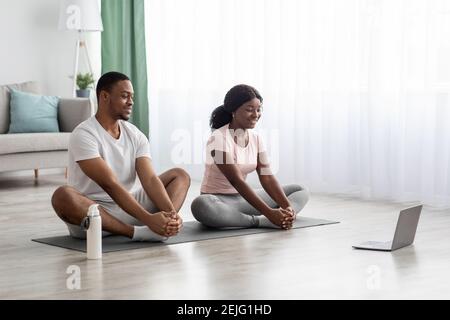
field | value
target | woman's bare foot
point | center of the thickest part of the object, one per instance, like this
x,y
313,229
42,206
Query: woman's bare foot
x,y
290,209
280,217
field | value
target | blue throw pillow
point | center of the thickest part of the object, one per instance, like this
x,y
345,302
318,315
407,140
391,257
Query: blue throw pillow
x,y
33,113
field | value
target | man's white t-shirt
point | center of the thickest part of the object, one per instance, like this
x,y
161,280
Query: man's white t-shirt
x,y
90,140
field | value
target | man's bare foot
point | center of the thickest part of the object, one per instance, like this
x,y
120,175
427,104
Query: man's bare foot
x,y
158,223
175,224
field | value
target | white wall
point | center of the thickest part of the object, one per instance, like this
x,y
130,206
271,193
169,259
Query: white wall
x,y
32,47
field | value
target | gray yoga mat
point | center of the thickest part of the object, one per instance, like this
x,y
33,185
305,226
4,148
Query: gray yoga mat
x,y
192,231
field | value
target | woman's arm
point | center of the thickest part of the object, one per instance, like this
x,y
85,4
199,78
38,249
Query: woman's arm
x,y
270,183
226,165
273,188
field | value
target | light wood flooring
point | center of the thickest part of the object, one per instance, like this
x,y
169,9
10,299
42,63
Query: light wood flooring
x,y
310,263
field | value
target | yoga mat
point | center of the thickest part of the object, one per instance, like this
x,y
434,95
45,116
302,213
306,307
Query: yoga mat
x,y
192,231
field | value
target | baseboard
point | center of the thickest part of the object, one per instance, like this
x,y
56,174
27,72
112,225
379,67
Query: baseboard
x,y
30,173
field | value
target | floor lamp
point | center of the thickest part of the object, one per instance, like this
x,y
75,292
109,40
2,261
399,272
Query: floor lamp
x,y
81,16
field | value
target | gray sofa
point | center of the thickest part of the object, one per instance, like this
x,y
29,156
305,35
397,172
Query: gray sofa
x,y
19,151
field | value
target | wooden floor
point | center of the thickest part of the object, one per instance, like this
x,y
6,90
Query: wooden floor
x,y
310,263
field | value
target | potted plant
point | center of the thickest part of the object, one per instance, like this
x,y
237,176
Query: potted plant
x,y
84,82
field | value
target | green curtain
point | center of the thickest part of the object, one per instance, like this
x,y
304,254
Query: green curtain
x,y
123,50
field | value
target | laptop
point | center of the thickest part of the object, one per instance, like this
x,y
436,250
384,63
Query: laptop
x,y
404,232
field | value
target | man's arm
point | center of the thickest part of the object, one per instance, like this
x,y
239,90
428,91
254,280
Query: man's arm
x,y
152,185
98,170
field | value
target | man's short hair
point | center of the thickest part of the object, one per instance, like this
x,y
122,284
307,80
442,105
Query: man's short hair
x,y
107,81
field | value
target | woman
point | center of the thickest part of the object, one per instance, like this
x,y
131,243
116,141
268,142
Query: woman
x,y
234,151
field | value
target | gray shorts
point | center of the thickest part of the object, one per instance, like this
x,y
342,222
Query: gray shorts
x,y
113,209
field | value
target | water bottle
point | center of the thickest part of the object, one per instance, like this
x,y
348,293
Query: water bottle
x,y
94,233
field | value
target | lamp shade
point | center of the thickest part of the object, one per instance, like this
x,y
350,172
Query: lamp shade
x,y
80,15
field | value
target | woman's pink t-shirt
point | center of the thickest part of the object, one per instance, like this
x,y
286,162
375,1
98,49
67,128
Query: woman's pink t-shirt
x,y
246,158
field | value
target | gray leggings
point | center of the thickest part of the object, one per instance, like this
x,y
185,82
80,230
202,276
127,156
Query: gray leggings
x,y
221,211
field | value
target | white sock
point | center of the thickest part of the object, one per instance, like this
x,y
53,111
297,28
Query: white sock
x,y
265,223
144,233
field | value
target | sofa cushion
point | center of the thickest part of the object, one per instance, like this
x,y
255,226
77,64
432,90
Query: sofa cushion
x,y
30,86
32,142
31,112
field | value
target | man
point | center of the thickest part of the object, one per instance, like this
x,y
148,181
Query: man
x,y
105,154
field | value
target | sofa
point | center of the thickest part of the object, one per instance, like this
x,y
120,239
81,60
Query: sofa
x,y
21,151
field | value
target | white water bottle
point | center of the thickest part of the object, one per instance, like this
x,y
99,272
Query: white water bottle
x,y
94,233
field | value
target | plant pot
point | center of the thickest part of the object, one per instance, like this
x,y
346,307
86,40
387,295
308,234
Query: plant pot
x,y
85,93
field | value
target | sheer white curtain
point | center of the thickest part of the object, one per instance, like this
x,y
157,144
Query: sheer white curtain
x,y
356,93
